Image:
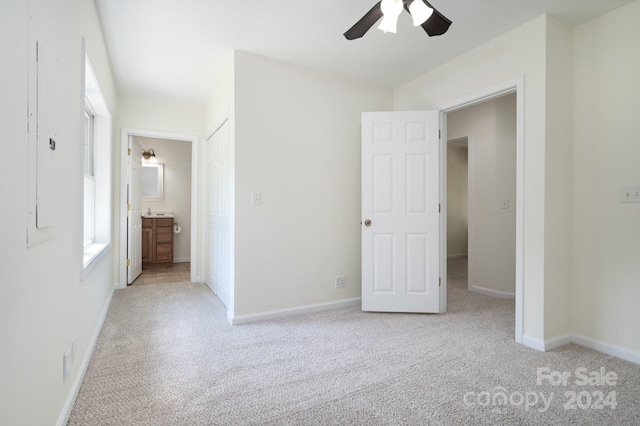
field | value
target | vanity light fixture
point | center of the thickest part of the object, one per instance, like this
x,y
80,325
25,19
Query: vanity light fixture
x,y
148,154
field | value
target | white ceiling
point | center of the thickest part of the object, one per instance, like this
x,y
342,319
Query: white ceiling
x,y
175,48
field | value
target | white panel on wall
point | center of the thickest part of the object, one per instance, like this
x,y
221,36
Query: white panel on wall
x,y
42,121
46,135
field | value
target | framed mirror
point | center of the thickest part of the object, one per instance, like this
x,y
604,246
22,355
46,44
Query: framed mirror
x,y
152,176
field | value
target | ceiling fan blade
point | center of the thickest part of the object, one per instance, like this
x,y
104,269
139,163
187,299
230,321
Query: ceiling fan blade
x,y
362,26
437,24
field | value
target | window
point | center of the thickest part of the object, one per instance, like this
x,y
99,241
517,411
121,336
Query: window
x,y
89,176
96,157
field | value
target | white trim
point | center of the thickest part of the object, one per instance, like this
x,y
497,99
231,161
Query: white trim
x,y
533,343
92,256
281,313
124,146
181,259
493,293
587,342
75,388
471,147
556,342
607,348
513,86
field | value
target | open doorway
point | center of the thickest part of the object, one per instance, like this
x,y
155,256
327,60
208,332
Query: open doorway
x,y
165,199
481,195
491,121
186,190
458,212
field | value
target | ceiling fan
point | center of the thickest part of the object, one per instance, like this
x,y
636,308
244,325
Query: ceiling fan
x,y
423,14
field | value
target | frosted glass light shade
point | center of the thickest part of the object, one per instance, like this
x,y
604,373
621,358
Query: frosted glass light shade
x,y
420,12
391,9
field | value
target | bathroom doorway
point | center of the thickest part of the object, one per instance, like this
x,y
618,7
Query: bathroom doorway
x,y
177,205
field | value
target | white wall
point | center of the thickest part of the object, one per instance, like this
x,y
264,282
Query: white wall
x,y
297,141
490,128
558,208
457,200
521,52
44,304
606,153
176,157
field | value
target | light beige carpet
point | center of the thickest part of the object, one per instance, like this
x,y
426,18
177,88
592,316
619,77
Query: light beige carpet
x,y
167,356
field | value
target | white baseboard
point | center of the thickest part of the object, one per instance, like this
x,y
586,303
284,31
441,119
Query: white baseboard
x,y
456,256
63,419
556,342
490,292
533,343
607,348
587,342
245,319
181,259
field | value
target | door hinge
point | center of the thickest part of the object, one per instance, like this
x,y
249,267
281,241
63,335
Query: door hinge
x,y
128,262
129,151
439,208
439,134
439,282
128,207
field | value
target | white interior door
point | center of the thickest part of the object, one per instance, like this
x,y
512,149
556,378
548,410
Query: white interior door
x,y
218,212
400,212
134,213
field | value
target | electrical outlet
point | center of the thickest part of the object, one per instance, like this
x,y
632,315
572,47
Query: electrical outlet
x,y
341,282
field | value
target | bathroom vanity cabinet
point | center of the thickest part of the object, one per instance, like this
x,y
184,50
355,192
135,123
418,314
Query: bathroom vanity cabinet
x,y
157,242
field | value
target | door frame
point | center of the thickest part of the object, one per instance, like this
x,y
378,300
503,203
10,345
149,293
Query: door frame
x,y
124,146
513,86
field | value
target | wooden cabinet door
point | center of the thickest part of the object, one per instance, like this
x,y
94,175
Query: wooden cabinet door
x,y
147,244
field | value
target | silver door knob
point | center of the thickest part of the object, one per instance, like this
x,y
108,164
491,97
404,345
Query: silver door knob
x,y
367,222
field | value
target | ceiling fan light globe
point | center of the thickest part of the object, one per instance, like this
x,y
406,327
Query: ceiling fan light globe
x,y
389,24
420,12
391,9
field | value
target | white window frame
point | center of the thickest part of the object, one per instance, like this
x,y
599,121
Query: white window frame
x,y
99,220
89,184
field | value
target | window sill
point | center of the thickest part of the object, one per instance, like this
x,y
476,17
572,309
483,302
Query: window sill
x,y
91,255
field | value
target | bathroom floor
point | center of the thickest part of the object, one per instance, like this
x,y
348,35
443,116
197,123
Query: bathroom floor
x,y
178,273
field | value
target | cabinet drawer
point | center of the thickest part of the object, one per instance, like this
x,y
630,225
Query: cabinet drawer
x,y
164,235
164,222
164,252
147,223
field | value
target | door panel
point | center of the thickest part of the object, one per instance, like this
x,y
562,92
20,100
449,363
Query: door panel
x,y
400,196
134,216
218,212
